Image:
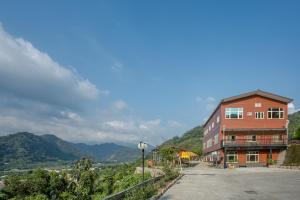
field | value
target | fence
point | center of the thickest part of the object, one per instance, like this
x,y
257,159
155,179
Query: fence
x,y
122,194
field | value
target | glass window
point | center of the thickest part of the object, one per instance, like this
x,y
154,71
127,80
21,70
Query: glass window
x,y
252,157
275,113
259,115
232,157
231,137
233,113
218,119
216,139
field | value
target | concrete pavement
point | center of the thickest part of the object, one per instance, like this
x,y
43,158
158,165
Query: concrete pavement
x,y
206,183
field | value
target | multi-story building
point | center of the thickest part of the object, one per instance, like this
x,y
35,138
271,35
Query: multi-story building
x,y
246,130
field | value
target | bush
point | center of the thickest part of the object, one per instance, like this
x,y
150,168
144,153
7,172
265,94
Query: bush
x,y
296,135
170,173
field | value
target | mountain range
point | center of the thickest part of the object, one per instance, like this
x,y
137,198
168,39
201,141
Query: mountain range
x,y
23,149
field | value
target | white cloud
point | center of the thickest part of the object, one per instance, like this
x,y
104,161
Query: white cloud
x,y
209,103
117,66
29,73
39,95
119,105
292,109
175,124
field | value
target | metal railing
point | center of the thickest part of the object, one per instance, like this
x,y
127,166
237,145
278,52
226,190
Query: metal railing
x,y
249,142
122,194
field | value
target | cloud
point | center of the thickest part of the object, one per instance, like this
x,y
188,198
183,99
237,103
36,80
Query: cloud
x,y
28,73
292,109
39,95
209,103
119,105
117,66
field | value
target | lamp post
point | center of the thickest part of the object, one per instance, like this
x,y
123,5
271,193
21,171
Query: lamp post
x,y
142,146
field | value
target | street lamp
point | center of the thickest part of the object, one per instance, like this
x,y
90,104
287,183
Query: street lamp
x,y
142,146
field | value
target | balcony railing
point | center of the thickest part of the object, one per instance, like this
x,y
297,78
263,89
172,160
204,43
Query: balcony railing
x,y
253,143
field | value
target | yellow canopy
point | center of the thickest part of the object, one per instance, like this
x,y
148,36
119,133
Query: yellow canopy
x,y
187,154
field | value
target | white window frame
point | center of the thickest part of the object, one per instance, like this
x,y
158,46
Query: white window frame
x,y
259,115
213,125
252,153
234,154
216,139
218,119
280,111
228,112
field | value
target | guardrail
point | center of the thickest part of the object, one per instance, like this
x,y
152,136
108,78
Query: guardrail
x,y
258,142
122,194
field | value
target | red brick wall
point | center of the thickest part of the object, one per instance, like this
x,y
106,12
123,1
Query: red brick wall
x,y
248,105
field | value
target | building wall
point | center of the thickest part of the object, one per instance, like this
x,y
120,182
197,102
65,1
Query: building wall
x,y
214,130
248,105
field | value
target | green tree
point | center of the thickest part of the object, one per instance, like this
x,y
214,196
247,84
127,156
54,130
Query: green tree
x,y
297,134
37,197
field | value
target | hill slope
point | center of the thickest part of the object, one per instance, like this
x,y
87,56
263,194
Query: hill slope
x,y
294,122
24,149
191,140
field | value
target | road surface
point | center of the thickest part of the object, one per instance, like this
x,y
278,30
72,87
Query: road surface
x,y
206,183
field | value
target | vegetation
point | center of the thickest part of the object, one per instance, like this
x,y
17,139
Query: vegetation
x,y
83,182
296,135
293,155
191,141
26,150
294,123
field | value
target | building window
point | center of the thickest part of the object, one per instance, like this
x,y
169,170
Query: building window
x,y
232,157
253,138
231,137
218,119
209,128
209,143
216,139
233,113
206,131
259,115
275,113
257,105
212,125
252,157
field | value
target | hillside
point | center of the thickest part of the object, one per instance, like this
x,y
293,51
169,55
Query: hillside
x,y
191,140
22,150
109,152
294,122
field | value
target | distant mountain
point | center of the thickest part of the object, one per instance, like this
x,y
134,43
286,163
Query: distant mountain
x,y
24,149
109,152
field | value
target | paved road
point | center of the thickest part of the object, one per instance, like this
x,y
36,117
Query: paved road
x,y
206,183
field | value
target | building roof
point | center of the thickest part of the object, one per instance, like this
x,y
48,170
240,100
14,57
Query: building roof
x,y
248,94
259,93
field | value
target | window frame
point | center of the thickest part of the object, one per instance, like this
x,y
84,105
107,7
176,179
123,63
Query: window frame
x,y
280,113
259,115
229,111
252,153
235,157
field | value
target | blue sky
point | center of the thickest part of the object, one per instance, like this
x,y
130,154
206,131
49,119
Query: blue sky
x,y
129,70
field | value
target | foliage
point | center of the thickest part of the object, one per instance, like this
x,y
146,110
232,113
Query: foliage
x,y
293,155
296,135
294,122
191,141
170,173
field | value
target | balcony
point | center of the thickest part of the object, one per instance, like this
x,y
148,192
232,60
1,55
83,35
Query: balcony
x,y
257,143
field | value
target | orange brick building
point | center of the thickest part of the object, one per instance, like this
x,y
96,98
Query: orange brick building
x,y
247,130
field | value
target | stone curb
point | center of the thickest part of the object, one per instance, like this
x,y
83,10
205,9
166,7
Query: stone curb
x,y
286,167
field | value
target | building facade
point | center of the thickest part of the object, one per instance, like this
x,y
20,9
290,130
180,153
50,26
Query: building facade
x,y
247,130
